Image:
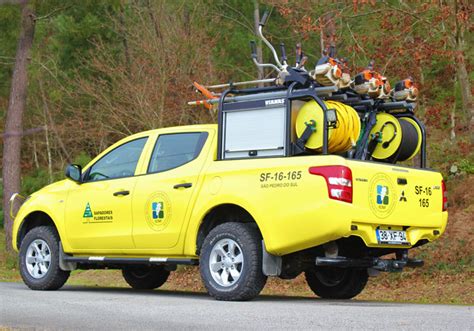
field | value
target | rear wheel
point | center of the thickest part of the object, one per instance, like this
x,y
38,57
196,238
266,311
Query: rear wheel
x,y
231,262
39,260
145,277
336,283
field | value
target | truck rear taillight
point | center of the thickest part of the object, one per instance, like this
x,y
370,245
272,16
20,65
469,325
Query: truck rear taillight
x,y
445,196
338,180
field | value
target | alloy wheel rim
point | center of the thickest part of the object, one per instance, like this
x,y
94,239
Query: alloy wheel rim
x,y
38,258
226,262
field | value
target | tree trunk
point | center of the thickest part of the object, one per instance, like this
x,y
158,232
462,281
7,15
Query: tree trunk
x,y
49,122
453,117
321,35
48,153
123,34
465,86
330,31
461,71
14,118
256,20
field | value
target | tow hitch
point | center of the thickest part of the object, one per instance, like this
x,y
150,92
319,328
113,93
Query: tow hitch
x,y
389,265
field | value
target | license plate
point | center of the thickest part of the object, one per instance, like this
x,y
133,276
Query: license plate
x,y
392,237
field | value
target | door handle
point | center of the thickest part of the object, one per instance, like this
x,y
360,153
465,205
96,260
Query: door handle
x,y
121,193
183,185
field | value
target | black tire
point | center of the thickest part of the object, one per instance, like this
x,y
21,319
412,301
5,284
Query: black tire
x,y
336,283
54,278
251,280
145,277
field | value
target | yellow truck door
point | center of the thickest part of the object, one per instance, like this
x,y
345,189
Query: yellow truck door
x,y
99,210
162,196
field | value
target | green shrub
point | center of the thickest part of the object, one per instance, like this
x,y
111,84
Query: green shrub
x,y
467,166
33,181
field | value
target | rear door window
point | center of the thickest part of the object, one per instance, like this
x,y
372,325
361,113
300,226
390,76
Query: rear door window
x,y
174,150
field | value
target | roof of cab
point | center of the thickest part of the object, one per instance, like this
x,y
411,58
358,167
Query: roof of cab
x,y
177,129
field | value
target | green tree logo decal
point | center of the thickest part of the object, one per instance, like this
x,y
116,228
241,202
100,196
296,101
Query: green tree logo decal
x,y
87,211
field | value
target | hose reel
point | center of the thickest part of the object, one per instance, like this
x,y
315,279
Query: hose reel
x,y
341,138
413,138
394,139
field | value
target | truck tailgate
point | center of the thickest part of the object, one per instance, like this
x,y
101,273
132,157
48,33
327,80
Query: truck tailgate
x,y
395,195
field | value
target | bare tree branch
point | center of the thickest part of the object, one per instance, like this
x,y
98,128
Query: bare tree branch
x,y
52,13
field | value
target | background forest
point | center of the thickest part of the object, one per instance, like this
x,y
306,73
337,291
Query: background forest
x,y
101,70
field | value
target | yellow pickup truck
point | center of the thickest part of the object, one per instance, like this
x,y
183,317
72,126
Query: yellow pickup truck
x,y
304,175
172,196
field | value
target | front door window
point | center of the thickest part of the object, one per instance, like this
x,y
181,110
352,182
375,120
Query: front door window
x,y
118,163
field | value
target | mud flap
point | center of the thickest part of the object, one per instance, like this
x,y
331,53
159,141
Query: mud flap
x,y
63,263
271,264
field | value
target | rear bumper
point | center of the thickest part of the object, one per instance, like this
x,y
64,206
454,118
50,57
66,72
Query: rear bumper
x,y
367,232
333,220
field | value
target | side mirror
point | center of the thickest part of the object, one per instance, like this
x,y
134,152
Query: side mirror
x,y
74,172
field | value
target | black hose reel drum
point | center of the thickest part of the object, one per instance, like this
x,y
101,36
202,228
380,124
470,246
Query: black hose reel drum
x,y
394,139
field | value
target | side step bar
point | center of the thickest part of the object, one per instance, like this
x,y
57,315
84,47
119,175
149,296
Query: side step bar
x,y
123,260
374,263
69,262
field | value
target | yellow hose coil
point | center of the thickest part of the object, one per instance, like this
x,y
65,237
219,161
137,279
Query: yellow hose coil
x,y
340,139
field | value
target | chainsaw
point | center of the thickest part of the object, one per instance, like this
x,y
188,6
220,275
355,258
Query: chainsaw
x,y
372,83
405,90
330,71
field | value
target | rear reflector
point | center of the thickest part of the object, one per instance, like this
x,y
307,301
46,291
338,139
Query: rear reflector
x,y
338,180
445,196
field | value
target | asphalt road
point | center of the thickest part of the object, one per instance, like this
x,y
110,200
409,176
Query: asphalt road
x,y
90,308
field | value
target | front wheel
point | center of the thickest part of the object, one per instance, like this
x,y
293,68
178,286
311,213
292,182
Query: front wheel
x,y
231,262
336,283
145,277
39,260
